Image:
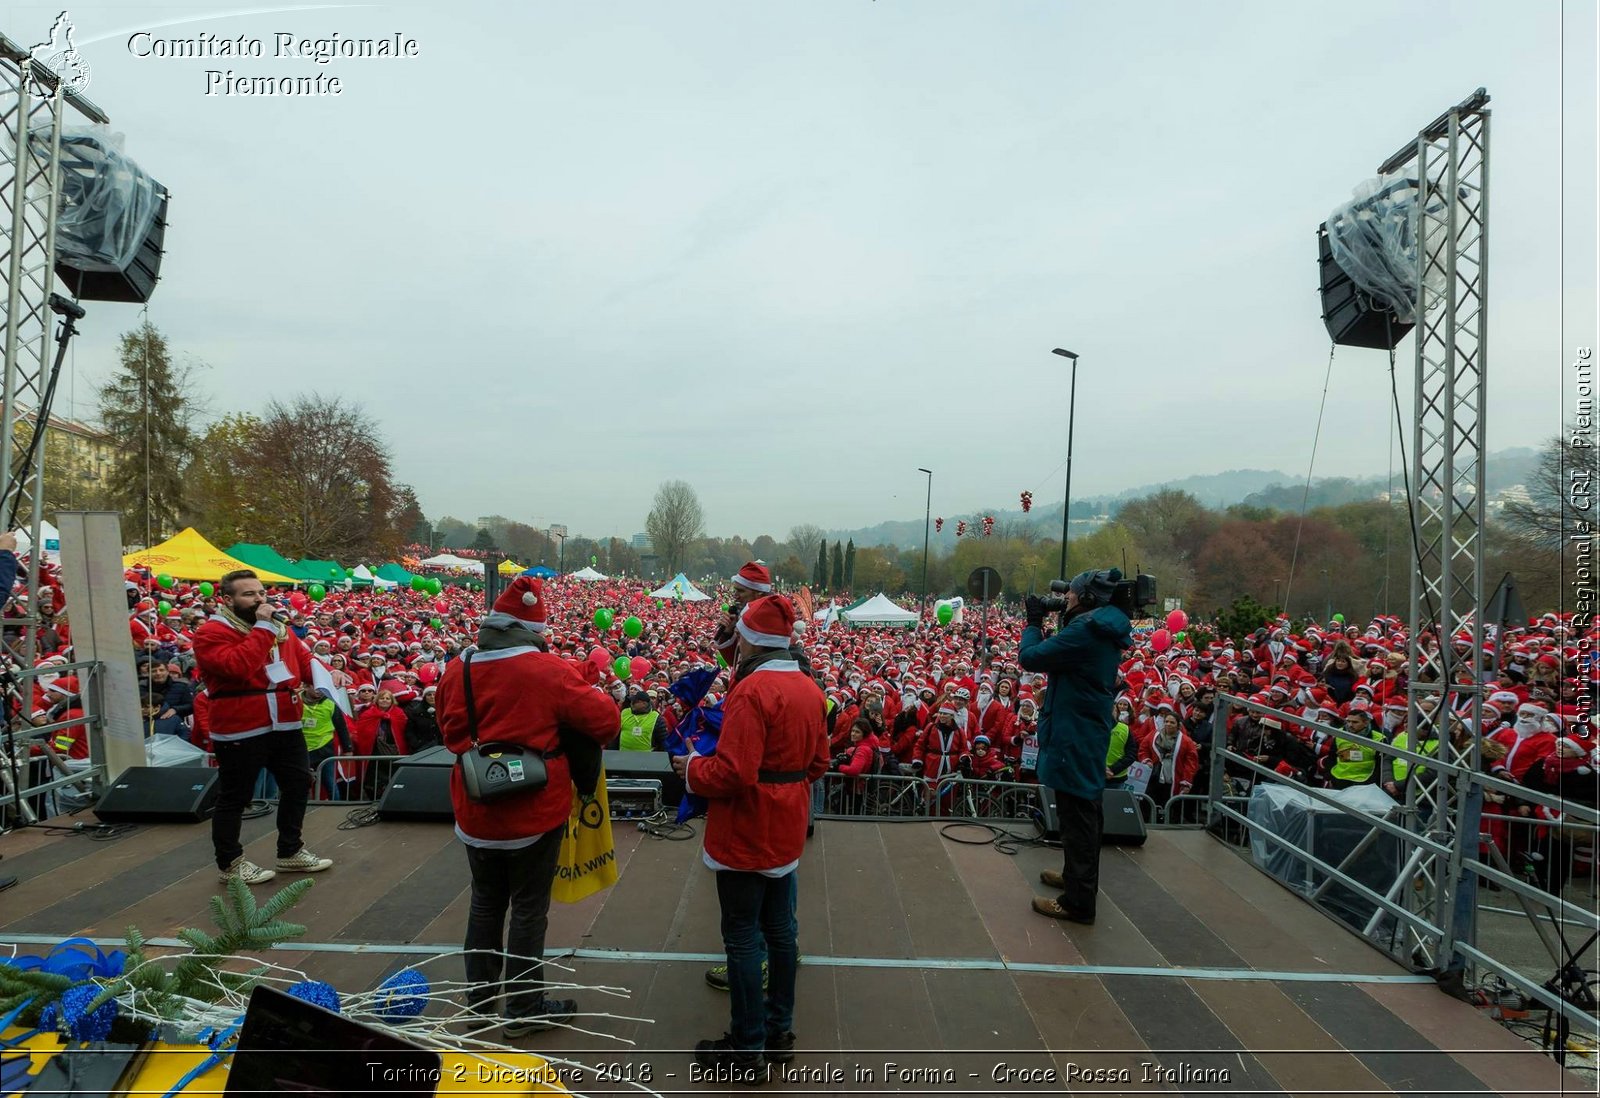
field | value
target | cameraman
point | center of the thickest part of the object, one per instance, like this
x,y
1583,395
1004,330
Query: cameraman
x,y
1081,659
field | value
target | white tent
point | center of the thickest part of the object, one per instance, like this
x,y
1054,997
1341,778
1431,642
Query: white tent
x,y
588,575
47,534
361,571
681,589
879,611
450,560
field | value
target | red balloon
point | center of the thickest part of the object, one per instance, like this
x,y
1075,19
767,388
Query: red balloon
x,y
1177,621
639,667
440,605
1161,640
298,600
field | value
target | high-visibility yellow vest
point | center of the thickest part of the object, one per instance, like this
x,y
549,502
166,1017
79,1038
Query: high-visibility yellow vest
x,y
1354,760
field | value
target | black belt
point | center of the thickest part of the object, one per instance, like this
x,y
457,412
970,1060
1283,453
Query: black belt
x,y
780,777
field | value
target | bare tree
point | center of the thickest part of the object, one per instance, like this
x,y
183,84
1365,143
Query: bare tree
x,y
804,539
1561,493
676,521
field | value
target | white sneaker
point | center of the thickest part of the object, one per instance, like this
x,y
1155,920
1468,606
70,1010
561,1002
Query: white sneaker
x,y
304,862
249,872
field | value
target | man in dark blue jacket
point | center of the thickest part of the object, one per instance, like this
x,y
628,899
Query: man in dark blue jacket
x,y
1075,724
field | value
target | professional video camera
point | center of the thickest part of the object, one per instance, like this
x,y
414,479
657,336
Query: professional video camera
x,y
1134,597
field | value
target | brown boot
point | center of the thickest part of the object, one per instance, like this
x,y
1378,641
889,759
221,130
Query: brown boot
x,y
1044,905
1053,878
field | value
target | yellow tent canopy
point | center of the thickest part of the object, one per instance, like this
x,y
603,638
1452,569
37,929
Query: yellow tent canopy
x,y
510,568
189,556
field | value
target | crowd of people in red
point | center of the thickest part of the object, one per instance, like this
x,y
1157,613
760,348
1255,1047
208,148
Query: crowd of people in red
x,y
935,702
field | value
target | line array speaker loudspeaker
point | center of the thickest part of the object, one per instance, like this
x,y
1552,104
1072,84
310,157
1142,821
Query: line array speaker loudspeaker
x,y
417,793
151,794
1352,319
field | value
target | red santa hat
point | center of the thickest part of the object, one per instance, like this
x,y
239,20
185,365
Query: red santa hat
x,y
524,601
768,622
756,578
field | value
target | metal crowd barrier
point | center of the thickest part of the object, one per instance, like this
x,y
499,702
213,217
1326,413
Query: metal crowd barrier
x,y
1440,921
838,796
22,799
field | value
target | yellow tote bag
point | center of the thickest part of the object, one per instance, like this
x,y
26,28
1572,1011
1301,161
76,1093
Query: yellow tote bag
x,y
588,854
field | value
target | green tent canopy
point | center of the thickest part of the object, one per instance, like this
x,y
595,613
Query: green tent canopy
x,y
393,572
329,571
267,559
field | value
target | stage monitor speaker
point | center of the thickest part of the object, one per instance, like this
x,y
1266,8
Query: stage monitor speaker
x,y
433,756
1353,319
154,794
417,793
1121,822
646,766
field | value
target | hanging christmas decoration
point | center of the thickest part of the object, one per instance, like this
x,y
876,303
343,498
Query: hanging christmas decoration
x,y
1027,502
961,528
938,525
988,525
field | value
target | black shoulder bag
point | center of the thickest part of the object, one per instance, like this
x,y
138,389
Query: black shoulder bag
x,y
495,771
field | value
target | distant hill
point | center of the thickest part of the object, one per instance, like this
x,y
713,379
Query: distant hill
x,y
1255,487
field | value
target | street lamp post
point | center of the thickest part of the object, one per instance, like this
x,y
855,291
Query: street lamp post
x,y
1072,414
927,518
561,561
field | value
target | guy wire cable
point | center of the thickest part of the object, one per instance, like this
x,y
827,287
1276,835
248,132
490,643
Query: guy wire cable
x,y
1305,496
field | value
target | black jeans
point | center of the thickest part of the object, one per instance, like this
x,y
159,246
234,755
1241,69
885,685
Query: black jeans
x,y
521,880
240,762
1080,821
758,924
322,776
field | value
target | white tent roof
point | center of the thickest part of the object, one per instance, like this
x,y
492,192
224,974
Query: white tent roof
x,y
879,610
450,560
588,574
361,571
679,587
47,534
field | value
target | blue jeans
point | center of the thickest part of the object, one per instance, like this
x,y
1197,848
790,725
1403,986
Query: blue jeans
x,y
758,924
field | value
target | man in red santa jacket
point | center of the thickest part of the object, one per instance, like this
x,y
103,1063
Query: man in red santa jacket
x,y
521,694
253,667
772,747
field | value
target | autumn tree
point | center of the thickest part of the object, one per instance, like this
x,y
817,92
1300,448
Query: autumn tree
x,y
148,408
322,471
220,499
675,523
409,521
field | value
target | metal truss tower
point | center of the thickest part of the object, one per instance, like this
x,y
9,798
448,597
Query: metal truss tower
x,y
1450,162
33,103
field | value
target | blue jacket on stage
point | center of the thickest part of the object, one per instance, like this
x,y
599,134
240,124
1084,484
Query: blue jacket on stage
x,y
1075,720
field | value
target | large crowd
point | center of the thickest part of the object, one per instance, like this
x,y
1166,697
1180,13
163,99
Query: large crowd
x,y
934,702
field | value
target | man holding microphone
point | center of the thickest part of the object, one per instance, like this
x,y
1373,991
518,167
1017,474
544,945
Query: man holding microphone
x,y
1081,660
253,667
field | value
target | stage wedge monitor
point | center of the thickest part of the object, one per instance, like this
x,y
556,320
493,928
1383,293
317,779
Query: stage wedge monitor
x,y
1353,319
151,794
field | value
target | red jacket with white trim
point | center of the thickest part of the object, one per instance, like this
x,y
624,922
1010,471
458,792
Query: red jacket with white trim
x,y
233,662
772,722
523,696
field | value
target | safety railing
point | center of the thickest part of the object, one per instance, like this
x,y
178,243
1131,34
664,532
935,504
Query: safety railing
x,y
839,796
1422,911
35,759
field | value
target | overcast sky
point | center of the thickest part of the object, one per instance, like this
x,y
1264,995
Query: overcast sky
x,y
789,251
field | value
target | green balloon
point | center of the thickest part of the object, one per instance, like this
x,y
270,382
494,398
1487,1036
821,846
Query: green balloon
x,y
622,666
720,661
633,626
594,559
1339,618
349,573
436,623
164,607
660,605
206,590
334,572
603,619
165,582
945,613
434,586
419,583
316,592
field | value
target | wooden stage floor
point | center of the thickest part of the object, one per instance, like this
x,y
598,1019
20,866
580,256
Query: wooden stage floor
x,y
918,951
